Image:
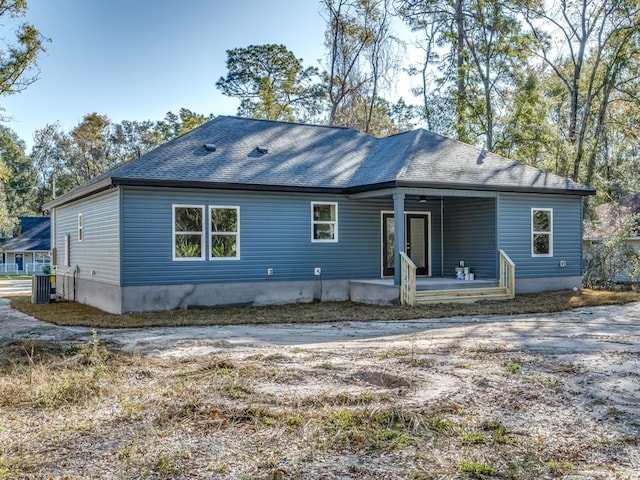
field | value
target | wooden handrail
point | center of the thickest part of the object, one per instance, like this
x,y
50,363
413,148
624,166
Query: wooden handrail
x,y
408,280
507,274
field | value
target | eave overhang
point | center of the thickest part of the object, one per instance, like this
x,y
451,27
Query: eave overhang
x,y
360,191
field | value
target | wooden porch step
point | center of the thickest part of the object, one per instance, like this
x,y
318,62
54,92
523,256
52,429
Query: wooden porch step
x,y
469,295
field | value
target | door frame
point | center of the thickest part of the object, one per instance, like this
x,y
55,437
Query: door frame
x,y
423,213
15,259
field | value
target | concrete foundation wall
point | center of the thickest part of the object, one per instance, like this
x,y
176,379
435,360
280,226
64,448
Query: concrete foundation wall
x,y
546,284
174,297
104,296
373,293
118,300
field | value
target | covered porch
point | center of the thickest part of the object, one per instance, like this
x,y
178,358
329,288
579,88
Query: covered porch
x,y
433,234
419,291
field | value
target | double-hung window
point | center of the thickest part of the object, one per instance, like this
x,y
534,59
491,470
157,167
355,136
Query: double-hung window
x,y
541,232
224,232
188,232
324,222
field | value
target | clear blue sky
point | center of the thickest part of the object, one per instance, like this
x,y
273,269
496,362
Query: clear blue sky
x,y
139,59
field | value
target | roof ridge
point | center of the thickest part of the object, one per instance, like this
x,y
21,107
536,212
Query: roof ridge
x,y
286,122
417,133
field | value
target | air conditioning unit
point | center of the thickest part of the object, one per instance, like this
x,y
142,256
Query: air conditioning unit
x,y
41,289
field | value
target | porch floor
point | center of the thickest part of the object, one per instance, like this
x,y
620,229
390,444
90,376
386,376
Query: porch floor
x,y
428,290
439,283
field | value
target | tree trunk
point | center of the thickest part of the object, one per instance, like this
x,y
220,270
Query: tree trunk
x,y
460,73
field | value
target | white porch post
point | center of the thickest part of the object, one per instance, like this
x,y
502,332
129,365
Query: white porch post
x,y
398,234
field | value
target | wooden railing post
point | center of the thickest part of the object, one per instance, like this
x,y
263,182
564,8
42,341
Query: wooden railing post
x,y
507,274
407,280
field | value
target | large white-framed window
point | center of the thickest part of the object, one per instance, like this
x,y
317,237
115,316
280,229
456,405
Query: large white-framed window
x,y
42,258
541,232
188,232
324,222
224,232
80,227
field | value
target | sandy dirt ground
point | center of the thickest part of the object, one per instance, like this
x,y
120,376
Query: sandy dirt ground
x,y
569,380
580,331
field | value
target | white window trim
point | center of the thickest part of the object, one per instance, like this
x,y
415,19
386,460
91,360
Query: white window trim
x,y
237,234
80,227
550,232
174,233
325,222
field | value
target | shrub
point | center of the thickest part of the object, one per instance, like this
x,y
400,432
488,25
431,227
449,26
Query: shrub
x,y
611,256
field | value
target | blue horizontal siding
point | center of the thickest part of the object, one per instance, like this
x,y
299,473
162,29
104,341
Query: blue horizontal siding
x,y
470,235
100,250
514,234
275,232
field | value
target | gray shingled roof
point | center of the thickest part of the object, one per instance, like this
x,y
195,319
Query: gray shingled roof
x,y
35,236
320,157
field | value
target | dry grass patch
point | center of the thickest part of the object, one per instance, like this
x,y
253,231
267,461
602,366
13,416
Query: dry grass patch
x,y
225,415
76,314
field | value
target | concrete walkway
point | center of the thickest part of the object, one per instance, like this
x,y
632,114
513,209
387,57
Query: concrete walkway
x,y
13,287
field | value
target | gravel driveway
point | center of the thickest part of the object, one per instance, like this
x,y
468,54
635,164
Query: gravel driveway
x,y
591,329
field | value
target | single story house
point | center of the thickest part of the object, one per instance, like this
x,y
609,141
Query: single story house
x,y
26,251
245,211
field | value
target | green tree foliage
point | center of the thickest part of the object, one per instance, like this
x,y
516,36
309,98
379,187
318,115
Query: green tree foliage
x,y
446,65
384,119
271,83
18,69
496,48
553,84
473,53
357,112
611,258
617,171
173,125
18,59
7,219
131,139
591,49
525,131
21,182
46,160
64,160
361,61
87,148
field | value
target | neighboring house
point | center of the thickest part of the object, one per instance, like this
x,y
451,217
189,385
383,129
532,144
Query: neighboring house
x,y
241,211
27,251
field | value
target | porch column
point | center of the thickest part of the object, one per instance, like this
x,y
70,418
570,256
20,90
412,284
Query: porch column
x,y
400,241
